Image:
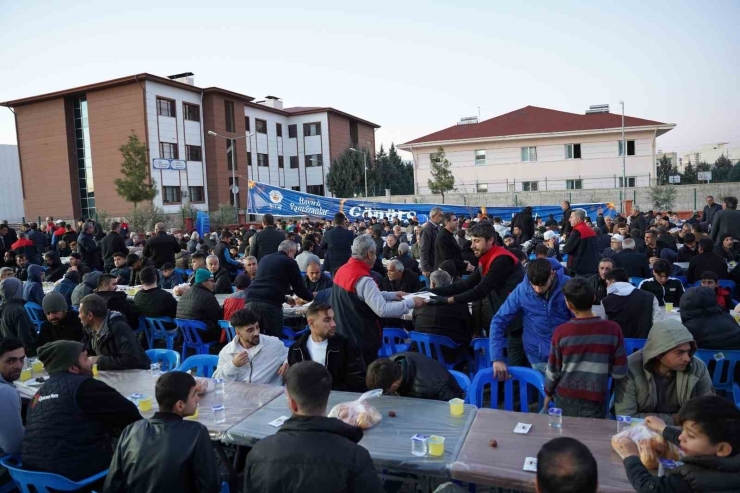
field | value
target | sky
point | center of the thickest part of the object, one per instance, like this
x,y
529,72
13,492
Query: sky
x,y
412,67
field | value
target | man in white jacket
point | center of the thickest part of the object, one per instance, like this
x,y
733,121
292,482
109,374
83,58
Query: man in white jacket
x,y
252,357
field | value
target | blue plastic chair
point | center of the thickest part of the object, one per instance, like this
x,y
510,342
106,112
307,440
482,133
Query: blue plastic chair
x,y
683,280
191,338
168,359
230,331
424,280
225,487
632,345
42,481
726,283
431,346
736,394
157,330
291,334
524,377
463,381
183,273
35,313
393,342
722,370
482,354
635,281
204,364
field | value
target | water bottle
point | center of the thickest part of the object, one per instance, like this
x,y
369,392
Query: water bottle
x,y
219,386
665,466
219,414
623,422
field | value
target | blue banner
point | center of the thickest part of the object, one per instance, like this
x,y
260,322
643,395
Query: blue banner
x,y
264,199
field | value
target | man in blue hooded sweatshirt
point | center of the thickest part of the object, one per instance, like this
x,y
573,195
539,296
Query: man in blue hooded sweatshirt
x,y
32,289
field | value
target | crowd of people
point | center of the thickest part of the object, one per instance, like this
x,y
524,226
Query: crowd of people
x,y
558,296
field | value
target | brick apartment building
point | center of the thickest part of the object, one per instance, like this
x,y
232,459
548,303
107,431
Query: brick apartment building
x,y
68,144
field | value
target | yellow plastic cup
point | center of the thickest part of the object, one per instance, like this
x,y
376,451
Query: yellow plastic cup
x,y
95,370
457,406
436,445
669,307
26,374
37,366
145,404
195,414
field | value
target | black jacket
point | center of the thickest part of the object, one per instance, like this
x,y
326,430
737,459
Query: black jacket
x,y
446,248
638,222
525,222
164,453
156,303
709,212
116,344
686,254
324,282
112,243
671,292
711,327
266,242
409,263
89,251
583,257
707,261
425,378
633,313
277,275
15,324
68,329
453,321
223,281
198,303
343,361
287,461
161,248
635,263
56,268
427,244
134,280
409,283
337,244
565,227
599,286
117,301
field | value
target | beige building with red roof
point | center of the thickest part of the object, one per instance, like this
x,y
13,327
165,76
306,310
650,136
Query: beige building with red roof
x,y
536,149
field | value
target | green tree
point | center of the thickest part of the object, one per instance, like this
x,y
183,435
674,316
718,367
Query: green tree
x,y
665,169
403,173
135,185
346,175
688,177
702,166
442,178
722,168
734,174
663,198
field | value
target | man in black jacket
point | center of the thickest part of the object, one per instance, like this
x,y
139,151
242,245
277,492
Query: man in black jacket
x,y
324,346
268,240
136,264
635,263
76,413
707,260
446,246
337,243
88,248
277,276
399,279
633,309
14,322
109,338
710,210
116,300
413,375
199,303
689,249
166,452
637,221
112,243
565,226
161,248
286,461
598,281
316,280
665,288
61,324
404,257
151,300
428,241
56,269
711,326
220,276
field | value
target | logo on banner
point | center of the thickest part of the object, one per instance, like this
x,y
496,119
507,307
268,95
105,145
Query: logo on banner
x,y
276,197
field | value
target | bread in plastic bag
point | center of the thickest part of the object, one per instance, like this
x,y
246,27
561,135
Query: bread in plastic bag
x,y
651,445
360,412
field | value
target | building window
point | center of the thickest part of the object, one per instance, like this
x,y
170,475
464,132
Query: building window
x,y
196,194
231,154
530,186
529,154
480,157
249,158
263,160
296,189
572,151
574,184
194,153
293,162
84,158
279,129
168,151
229,114
482,187
311,129
630,182
281,162
315,189
171,195
630,147
246,123
353,134
260,126
314,160
232,183
192,112
165,107
292,131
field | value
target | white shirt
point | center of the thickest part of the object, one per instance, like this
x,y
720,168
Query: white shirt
x,y
317,350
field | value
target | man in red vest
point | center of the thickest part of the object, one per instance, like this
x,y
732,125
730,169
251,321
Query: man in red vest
x,y
583,256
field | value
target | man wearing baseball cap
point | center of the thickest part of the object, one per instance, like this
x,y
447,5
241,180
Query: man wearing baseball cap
x,y
199,303
552,240
615,246
72,417
61,324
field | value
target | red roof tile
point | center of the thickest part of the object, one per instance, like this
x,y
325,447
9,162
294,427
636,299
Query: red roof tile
x,y
533,120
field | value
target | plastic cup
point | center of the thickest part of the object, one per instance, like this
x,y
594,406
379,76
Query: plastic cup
x,y
37,366
436,445
195,414
95,370
669,307
155,369
219,414
26,374
419,445
556,417
145,404
457,406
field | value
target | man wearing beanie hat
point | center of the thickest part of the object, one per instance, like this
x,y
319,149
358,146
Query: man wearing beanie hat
x,y
199,303
72,417
60,324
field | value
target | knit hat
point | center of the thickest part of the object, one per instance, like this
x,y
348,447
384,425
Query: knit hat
x,y
202,275
242,281
58,356
54,302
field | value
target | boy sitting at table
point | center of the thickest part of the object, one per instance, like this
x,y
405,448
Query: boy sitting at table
x,y
584,353
710,439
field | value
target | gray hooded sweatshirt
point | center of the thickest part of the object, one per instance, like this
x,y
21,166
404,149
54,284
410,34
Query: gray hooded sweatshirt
x,y
88,285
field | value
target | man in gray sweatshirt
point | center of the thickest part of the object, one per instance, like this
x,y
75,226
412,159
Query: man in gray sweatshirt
x,y
12,356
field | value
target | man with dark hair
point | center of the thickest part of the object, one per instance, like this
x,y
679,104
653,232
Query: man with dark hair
x,y
337,243
166,442
14,322
12,358
161,248
335,351
598,281
412,375
707,260
446,246
689,248
75,262
251,357
286,461
633,309
268,240
316,280
151,300
110,245
197,261
540,301
665,288
723,296
109,337
709,211
306,256
565,465
565,224
711,326
199,303
168,277
581,247
221,250
55,268
116,300
61,324
89,248
726,222
428,239
76,413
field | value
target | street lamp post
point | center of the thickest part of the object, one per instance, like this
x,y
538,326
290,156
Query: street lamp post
x,y
364,165
624,166
234,188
